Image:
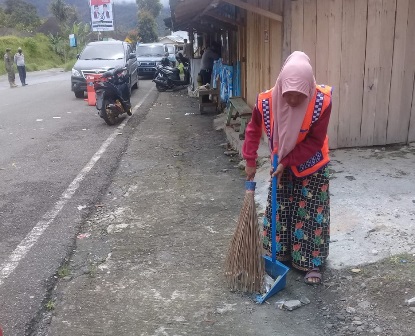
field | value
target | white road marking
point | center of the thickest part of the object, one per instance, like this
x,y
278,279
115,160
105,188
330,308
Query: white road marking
x,y
30,240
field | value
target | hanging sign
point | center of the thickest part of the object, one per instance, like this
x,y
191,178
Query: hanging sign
x,y
102,15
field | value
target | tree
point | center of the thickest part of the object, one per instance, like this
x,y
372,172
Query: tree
x,y
72,14
151,6
58,10
82,32
22,13
63,12
147,27
133,36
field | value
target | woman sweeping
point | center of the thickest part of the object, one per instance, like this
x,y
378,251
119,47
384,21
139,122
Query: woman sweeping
x,y
295,115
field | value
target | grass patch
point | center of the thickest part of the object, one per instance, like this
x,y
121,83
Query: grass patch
x,y
69,65
63,271
37,50
50,305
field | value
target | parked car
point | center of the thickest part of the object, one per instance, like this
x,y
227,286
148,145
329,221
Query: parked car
x,y
149,56
99,57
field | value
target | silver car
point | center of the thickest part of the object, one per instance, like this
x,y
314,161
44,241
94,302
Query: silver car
x,y
99,57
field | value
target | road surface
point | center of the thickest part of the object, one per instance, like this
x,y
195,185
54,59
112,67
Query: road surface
x,y
57,158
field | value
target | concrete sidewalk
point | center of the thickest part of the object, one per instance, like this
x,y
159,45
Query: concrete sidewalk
x,y
372,200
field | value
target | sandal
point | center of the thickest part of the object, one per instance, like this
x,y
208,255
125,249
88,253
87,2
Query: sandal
x,y
315,274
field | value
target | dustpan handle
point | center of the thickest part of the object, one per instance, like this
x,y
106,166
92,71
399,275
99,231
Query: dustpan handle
x,y
274,209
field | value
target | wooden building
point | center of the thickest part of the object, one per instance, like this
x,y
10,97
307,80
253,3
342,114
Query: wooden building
x,y
365,49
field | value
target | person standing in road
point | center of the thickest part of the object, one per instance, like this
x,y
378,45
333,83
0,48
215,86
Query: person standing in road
x,y
295,116
8,64
21,67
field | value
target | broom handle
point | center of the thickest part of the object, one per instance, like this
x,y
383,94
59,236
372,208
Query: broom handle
x,y
274,210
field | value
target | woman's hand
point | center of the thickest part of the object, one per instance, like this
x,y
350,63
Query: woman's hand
x,y
250,173
278,172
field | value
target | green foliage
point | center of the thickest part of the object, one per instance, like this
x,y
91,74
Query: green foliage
x,y
21,13
82,32
133,36
3,18
69,65
63,12
37,50
50,305
147,28
30,45
58,10
63,271
151,6
32,67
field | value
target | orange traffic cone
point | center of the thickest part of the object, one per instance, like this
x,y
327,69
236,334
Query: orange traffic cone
x,y
92,100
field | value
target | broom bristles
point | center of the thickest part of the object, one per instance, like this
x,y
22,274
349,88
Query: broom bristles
x,y
244,265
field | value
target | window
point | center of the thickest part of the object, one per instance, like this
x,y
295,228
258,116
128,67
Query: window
x,y
150,50
103,52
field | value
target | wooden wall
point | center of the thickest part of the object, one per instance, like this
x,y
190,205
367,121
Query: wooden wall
x,y
263,55
365,49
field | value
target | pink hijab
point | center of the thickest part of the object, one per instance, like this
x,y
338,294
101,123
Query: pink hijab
x,y
296,75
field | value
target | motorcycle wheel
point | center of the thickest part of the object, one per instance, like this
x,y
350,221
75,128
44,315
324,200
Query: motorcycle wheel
x,y
107,114
160,88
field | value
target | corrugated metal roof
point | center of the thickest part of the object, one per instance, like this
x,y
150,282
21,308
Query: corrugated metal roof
x,y
174,38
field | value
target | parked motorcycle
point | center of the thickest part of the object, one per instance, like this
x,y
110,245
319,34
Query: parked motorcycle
x,y
167,77
113,94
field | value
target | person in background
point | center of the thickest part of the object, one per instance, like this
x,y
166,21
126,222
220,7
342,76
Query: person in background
x,y
165,60
182,59
21,67
295,115
209,56
8,64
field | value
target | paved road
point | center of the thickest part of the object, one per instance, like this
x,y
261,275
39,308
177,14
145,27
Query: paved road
x,y
57,159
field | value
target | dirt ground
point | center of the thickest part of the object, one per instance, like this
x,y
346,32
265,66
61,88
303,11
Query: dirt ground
x,y
148,259
370,299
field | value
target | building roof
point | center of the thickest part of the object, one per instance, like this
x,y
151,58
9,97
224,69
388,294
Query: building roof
x,y
211,15
173,38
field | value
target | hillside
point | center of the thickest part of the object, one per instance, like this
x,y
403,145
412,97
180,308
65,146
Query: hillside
x,y
38,54
125,13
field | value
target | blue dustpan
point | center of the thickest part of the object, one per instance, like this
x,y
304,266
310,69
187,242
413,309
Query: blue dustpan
x,y
276,270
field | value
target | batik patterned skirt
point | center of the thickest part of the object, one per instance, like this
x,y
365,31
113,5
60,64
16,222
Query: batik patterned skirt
x,y
303,219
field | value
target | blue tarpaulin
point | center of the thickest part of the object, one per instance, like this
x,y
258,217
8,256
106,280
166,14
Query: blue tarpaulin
x,y
229,79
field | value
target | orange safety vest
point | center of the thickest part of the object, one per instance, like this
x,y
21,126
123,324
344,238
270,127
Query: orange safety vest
x,y
317,106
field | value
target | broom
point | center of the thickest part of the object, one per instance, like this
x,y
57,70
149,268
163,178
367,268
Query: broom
x,y
244,265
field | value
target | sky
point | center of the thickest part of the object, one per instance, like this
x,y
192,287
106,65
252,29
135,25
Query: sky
x,y
165,3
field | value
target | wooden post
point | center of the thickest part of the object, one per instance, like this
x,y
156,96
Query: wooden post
x,y
286,38
191,41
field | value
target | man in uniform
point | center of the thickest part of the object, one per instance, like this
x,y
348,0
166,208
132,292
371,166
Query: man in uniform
x,y
8,64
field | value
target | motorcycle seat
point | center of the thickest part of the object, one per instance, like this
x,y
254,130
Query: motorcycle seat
x,y
172,69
